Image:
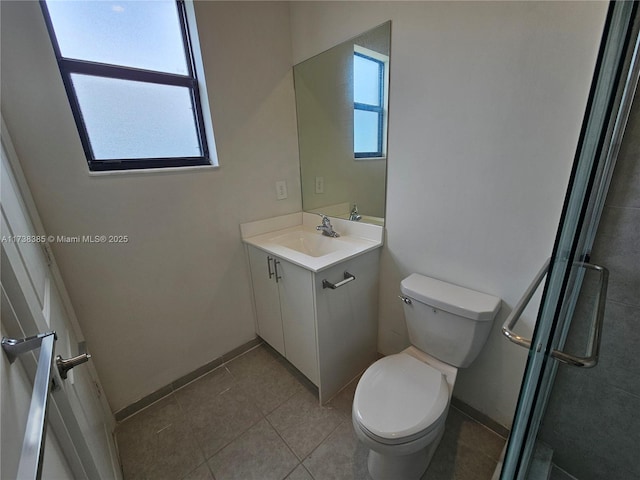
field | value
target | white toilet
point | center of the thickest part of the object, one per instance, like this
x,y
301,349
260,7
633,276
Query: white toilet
x,y
402,400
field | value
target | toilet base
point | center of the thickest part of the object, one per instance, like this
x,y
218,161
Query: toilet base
x,y
402,467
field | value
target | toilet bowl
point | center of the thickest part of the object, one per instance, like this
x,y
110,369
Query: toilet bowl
x,y
402,400
399,410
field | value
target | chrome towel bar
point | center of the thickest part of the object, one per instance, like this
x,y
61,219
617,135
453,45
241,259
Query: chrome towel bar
x,y
30,465
347,278
596,324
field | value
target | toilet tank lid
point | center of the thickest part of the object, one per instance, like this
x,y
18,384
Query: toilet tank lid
x,y
451,298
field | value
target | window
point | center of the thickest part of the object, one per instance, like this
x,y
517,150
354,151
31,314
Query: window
x,y
129,72
369,103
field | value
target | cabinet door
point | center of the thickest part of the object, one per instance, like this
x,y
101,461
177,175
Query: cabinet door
x,y
347,320
298,318
267,302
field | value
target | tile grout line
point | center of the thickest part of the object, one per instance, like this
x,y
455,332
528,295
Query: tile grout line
x,y
300,460
320,444
281,437
243,432
266,417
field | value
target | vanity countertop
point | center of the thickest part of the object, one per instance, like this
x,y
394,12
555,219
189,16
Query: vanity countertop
x,y
294,238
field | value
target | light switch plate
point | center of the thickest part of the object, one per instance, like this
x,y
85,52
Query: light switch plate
x,y
281,190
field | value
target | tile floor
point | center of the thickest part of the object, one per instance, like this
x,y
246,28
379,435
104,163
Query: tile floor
x,y
256,418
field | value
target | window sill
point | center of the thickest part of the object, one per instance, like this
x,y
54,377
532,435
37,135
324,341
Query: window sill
x,y
153,171
370,158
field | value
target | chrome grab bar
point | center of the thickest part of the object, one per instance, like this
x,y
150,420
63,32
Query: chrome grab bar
x,y
595,336
30,465
347,278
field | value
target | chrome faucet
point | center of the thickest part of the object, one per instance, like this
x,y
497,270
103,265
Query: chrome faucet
x,y
326,228
354,215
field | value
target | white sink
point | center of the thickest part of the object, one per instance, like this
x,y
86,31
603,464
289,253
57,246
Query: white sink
x,y
313,244
294,238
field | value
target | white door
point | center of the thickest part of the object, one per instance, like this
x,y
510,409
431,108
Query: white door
x,y
78,415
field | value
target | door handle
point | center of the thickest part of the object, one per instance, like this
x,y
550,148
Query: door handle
x,y
276,262
64,365
269,267
596,325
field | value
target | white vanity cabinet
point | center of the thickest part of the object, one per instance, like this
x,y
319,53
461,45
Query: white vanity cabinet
x,y
330,335
283,295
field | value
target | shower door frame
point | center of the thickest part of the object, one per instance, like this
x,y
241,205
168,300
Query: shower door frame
x,y
612,91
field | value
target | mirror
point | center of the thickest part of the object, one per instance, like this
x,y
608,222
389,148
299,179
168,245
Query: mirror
x,y
341,103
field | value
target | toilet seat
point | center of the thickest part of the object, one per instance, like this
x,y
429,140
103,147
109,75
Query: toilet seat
x,y
399,398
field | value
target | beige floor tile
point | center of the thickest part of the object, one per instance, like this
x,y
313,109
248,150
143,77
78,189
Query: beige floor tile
x,y
457,461
221,417
259,454
264,378
303,423
157,443
217,418
474,435
467,451
340,456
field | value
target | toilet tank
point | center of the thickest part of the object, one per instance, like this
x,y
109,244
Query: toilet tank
x,y
447,321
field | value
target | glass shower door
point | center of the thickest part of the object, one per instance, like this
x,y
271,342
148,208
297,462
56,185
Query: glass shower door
x,y
609,102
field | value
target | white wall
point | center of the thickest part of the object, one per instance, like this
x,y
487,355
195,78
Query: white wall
x,y
485,107
177,295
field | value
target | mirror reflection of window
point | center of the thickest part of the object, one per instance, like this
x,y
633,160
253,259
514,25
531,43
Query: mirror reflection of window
x,y
369,103
324,86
